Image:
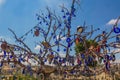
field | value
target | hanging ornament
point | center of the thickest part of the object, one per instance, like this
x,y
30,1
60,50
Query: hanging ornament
x,y
118,38
103,33
116,30
58,49
45,60
4,54
62,10
51,33
68,40
40,51
19,60
11,56
77,40
113,58
90,59
52,53
1,64
64,16
56,57
56,42
60,60
86,62
54,36
69,44
104,61
78,61
98,48
38,18
45,44
107,57
36,32
46,23
79,29
67,13
49,15
23,71
64,49
107,66
82,56
4,46
110,58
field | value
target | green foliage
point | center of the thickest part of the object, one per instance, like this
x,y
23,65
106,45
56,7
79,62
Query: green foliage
x,y
91,42
81,48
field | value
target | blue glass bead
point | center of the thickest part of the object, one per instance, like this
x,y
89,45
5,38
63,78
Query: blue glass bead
x,y
56,42
41,51
117,30
58,50
51,33
68,40
67,13
69,19
60,60
69,45
49,16
1,64
64,16
83,56
38,18
64,49
86,62
104,61
54,37
107,66
52,53
62,10
4,54
59,25
110,58
45,60
117,39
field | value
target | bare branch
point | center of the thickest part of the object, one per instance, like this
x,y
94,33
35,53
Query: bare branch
x,y
19,40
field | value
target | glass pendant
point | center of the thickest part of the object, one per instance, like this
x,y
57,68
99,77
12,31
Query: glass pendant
x,y
58,49
68,40
116,30
1,64
67,13
11,56
82,56
4,54
64,50
79,29
117,39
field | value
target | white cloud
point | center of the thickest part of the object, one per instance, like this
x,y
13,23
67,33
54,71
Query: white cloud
x,y
2,2
37,47
62,38
6,38
112,22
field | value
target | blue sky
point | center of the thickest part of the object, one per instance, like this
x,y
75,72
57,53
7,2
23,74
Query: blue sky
x,y
19,15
